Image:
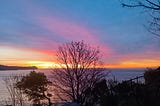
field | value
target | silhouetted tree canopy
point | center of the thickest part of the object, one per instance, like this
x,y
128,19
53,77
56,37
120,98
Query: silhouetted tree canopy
x,y
79,68
152,76
101,94
113,93
35,86
152,7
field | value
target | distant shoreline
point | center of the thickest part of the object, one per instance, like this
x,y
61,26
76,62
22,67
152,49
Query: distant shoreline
x,y
4,68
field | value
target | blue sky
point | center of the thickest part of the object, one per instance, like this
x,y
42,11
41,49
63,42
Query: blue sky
x,y
39,26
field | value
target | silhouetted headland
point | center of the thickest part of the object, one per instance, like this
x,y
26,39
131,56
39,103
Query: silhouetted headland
x,y
3,67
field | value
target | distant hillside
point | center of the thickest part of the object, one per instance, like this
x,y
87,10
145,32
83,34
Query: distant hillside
x,y
3,67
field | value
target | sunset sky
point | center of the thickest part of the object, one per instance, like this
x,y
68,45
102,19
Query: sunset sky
x,y
31,30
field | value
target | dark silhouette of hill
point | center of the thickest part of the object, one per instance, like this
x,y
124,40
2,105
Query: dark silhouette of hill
x,y
4,67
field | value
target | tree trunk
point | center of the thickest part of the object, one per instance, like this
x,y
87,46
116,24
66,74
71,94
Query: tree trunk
x,y
49,102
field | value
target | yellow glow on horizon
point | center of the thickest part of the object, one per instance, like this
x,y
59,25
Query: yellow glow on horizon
x,y
41,64
125,64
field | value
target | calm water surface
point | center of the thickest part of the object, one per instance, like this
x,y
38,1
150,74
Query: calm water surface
x,y
119,74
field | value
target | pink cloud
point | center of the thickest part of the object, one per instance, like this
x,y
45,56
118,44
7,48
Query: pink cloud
x,y
145,55
64,29
71,31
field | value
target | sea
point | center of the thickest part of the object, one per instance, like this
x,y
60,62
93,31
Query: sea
x,y
118,74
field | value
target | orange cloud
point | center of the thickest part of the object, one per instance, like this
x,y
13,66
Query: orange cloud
x,y
19,56
135,60
136,64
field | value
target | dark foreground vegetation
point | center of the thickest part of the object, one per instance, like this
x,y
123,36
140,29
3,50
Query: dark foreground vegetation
x,y
35,87
127,93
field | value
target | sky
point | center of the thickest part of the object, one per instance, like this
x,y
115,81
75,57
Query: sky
x,y
32,30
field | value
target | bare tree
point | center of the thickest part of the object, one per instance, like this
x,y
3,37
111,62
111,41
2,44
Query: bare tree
x,y
79,68
153,7
16,94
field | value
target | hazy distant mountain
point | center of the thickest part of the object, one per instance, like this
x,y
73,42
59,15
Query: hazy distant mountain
x,y
3,67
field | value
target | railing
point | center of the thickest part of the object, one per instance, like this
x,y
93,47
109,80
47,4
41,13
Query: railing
x,y
136,79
